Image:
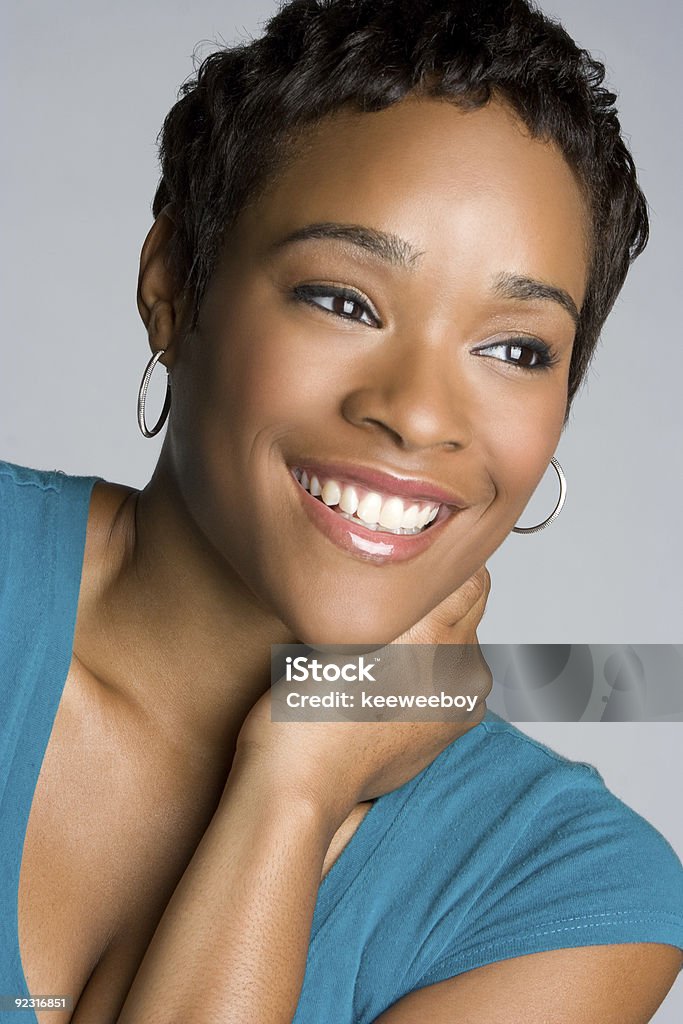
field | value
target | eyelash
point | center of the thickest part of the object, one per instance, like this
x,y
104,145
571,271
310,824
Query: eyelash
x,y
306,293
545,357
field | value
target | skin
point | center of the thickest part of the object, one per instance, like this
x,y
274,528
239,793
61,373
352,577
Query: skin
x,y
266,380
194,577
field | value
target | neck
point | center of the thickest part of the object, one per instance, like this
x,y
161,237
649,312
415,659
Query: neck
x,y
167,625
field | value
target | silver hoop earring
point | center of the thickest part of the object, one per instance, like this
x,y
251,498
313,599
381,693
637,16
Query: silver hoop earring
x,y
558,508
142,395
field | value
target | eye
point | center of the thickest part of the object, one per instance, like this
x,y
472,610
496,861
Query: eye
x,y
525,353
342,302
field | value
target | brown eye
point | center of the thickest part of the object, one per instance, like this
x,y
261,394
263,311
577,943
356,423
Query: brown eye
x,y
347,307
341,302
524,353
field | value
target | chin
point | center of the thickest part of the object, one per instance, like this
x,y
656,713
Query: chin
x,y
358,627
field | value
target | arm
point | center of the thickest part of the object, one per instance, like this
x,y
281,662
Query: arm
x,y
615,984
232,943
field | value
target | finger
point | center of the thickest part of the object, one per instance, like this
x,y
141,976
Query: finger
x,y
459,613
465,604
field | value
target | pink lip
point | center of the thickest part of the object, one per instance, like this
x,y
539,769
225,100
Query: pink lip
x,y
380,548
376,479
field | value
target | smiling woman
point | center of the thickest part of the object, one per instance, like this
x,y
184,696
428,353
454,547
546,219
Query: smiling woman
x,y
402,380
386,237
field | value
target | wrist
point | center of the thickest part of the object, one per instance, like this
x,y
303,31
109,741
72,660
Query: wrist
x,y
279,795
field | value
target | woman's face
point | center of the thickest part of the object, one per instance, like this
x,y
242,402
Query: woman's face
x,y
405,358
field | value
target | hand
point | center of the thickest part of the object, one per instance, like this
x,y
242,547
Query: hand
x,y
338,764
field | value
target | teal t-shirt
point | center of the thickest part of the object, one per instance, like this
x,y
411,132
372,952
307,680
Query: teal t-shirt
x,y
499,848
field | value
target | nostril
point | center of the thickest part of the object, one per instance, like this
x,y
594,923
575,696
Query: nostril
x,y
394,434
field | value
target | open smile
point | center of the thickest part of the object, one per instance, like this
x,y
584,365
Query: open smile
x,y
373,515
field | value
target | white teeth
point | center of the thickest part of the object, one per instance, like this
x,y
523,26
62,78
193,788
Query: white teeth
x,y
423,516
315,488
331,492
410,517
369,508
391,513
349,500
372,509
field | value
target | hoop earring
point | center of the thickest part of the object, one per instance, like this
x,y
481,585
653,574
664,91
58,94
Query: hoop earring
x,y
142,396
558,508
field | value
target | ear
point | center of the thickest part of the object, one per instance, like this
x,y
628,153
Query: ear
x,y
159,301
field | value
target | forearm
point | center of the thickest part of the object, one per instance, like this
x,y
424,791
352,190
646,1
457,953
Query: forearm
x,y
231,946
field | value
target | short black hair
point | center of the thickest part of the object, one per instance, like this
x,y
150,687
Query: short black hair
x,y
231,127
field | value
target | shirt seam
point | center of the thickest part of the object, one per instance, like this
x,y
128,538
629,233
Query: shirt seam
x,y
507,729
510,943
42,486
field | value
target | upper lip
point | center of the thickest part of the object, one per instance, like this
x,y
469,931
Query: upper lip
x,y
380,480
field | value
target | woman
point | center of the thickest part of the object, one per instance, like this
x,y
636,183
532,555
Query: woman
x,y
385,242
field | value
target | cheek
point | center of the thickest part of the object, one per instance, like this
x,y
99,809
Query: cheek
x,y
238,376
269,372
521,440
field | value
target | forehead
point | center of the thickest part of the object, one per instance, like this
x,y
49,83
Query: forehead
x,y
469,189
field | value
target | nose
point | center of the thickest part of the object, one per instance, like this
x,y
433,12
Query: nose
x,y
415,398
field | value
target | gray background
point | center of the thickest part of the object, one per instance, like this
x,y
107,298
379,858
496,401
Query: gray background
x,y
85,87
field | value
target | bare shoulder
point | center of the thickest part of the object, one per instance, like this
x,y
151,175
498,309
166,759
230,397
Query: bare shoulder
x,y
106,532
612,984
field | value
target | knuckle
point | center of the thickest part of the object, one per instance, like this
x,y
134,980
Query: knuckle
x,y
483,578
477,585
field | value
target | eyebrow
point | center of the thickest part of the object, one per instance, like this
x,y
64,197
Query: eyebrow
x,y
397,251
385,246
515,286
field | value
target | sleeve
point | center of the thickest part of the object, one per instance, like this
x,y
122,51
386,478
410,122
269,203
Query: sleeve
x,y
27,583
588,870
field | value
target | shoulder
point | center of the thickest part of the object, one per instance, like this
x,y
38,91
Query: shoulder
x,y
23,480
494,735
36,504
527,782
550,808
560,860
22,491
501,849
497,771
29,498
45,516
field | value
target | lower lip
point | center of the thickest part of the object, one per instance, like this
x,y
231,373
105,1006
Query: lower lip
x,y
369,545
